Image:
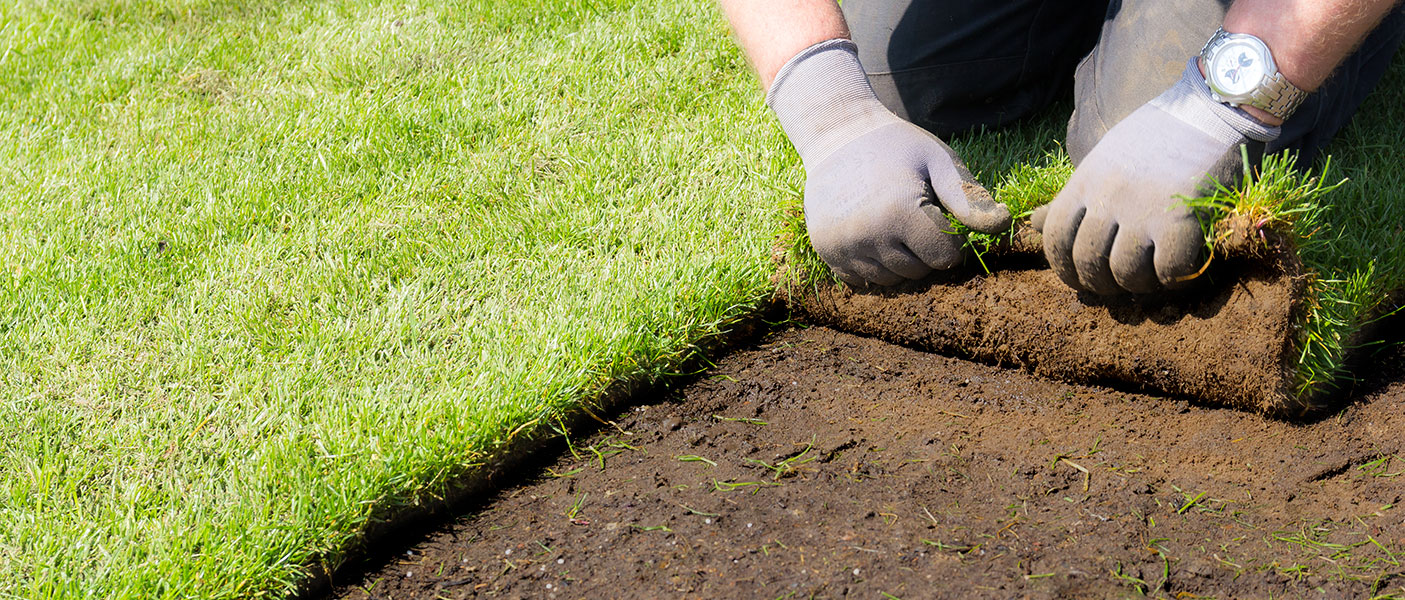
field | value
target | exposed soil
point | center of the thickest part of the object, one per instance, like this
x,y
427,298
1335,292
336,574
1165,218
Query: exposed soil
x,y
821,464
1231,342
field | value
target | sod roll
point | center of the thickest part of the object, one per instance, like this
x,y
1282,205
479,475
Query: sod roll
x,y
1228,340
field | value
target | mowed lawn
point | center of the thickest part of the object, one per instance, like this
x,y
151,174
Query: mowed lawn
x,y
270,269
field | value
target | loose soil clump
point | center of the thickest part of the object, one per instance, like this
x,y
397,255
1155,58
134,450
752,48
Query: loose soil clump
x,y
822,464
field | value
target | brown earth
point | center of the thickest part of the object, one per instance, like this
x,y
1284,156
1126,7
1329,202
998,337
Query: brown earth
x,y
820,464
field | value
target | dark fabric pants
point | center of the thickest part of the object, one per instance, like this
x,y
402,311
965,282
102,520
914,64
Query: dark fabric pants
x,y
951,65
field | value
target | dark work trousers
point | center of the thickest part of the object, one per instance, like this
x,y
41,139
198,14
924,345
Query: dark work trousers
x,y
950,65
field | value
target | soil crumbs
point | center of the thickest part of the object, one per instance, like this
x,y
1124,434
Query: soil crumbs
x,y
821,464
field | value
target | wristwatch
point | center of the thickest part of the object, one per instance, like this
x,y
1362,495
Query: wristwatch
x,y
1240,70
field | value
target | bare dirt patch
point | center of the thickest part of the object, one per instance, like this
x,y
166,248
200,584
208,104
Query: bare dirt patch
x,y
821,464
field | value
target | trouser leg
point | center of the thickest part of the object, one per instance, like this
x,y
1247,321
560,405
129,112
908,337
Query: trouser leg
x,y
951,65
1142,51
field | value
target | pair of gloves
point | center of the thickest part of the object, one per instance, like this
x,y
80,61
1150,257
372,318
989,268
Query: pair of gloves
x,y
881,192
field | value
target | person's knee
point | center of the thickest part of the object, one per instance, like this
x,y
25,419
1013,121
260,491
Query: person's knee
x,y
1142,51
950,65
1085,125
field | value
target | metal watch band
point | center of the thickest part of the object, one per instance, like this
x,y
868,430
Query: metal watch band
x,y
1276,95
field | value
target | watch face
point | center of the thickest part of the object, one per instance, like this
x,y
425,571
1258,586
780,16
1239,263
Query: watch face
x,y
1237,68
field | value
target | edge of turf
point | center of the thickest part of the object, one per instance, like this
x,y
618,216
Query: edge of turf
x,y
509,463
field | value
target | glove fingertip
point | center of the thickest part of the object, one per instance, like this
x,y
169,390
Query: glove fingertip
x,y
1058,240
994,221
984,214
849,279
1036,220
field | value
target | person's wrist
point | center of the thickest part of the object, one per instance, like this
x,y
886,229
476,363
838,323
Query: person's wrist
x,y
823,100
1263,116
1190,100
1268,119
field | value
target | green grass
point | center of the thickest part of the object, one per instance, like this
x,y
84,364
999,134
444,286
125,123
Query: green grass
x,y
272,269
1360,260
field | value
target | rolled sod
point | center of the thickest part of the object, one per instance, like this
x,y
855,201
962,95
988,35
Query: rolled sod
x,y
1229,340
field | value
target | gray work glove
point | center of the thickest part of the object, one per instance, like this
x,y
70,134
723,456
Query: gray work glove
x,y
874,181
1121,224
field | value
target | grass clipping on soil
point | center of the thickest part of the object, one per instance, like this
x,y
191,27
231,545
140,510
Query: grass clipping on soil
x,y
1291,285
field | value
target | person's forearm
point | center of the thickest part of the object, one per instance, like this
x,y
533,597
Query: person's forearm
x,y
1308,38
771,32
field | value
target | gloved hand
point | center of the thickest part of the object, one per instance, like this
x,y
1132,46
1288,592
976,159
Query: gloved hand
x,y
1121,223
874,181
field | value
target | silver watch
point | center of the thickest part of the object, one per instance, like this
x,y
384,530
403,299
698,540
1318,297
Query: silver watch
x,y
1240,70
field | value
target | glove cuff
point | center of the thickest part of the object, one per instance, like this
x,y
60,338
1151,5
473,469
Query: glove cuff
x,y
1191,101
823,100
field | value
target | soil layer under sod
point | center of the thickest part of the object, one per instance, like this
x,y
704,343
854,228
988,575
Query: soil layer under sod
x,y
1230,341
820,464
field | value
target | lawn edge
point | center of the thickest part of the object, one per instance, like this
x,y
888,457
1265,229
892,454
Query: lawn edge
x,y
507,464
